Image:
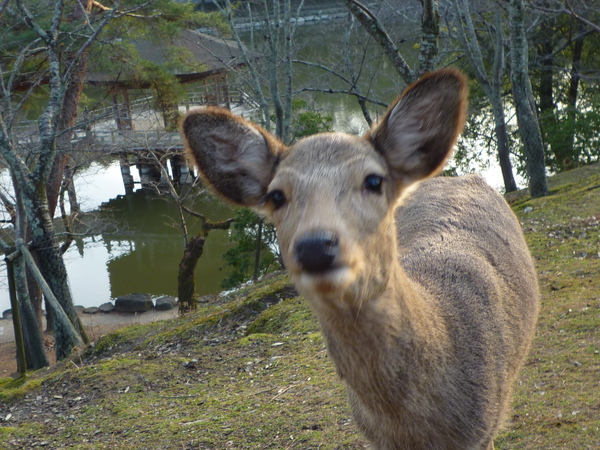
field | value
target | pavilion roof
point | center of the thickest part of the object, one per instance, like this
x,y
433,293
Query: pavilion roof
x,y
191,56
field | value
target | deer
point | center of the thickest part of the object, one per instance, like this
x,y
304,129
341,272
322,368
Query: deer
x,y
423,287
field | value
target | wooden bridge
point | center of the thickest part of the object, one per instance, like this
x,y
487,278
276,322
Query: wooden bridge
x,y
154,150
113,131
127,141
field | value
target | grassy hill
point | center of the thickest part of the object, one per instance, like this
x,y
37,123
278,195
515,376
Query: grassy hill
x,y
250,370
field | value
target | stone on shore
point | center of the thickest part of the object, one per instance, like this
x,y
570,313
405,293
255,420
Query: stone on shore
x,y
91,310
134,303
107,307
165,303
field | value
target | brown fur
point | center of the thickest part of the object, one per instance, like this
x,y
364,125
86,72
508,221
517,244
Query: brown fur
x,y
430,301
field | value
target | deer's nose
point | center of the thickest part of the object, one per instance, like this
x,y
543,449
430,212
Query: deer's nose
x,y
316,251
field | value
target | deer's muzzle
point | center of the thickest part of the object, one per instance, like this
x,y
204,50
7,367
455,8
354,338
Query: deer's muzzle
x,y
316,251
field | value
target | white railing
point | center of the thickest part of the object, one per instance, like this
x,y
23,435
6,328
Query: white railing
x,y
118,140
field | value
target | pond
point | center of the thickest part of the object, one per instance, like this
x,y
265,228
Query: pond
x,y
140,246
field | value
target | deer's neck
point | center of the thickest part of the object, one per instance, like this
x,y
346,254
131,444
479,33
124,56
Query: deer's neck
x,y
386,341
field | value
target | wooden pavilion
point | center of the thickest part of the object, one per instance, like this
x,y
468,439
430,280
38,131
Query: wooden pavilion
x,y
200,59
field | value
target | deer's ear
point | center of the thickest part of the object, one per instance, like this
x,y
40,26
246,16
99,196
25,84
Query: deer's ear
x,y
419,130
233,155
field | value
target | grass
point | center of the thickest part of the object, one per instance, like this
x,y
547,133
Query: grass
x,y
251,371
557,399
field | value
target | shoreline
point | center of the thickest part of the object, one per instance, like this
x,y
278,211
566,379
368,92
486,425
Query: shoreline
x,y
96,325
100,319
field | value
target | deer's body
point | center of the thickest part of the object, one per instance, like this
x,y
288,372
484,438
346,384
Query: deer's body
x,y
425,292
449,351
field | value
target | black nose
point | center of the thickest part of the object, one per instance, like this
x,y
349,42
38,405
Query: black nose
x,y
316,251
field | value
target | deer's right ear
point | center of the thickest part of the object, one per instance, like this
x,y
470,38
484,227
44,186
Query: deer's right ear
x,y
233,155
417,133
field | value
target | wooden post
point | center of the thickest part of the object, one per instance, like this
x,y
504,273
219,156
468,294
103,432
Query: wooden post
x,y
126,173
59,312
16,312
116,112
126,117
176,168
226,91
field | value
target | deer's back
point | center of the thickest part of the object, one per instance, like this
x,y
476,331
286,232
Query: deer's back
x,y
462,244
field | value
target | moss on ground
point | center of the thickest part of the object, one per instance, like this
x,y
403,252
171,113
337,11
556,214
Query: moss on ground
x,y
250,370
557,399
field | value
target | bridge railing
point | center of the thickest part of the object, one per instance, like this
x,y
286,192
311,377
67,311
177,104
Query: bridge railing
x,y
119,140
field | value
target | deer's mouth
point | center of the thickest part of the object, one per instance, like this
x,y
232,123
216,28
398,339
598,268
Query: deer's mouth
x,y
334,280
319,265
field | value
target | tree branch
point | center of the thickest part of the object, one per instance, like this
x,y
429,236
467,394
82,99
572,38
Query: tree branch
x,y
569,11
3,6
325,68
90,40
340,91
376,29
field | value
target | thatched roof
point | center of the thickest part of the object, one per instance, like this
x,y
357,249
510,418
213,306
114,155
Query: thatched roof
x,y
199,55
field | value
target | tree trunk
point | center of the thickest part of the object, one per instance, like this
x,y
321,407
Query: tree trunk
x,y
250,64
68,115
52,267
529,127
430,33
548,121
493,88
273,37
510,185
572,156
495,96
66,120
63,324
16,311
288,36
186,279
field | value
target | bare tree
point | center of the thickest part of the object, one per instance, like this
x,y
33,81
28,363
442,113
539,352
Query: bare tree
x,y
430,32
562,66
491,82
279,31
567,7
31,180
349,72
525,106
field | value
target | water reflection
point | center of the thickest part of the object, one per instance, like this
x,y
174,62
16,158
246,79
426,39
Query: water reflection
x,y
141,243
148,230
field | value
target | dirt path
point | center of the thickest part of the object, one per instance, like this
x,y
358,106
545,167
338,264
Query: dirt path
x,y
96,326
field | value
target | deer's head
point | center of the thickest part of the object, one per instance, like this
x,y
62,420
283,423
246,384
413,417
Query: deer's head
x,y
331,196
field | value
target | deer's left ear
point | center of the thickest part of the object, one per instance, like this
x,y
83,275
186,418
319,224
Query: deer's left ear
x,y
237,158
419,130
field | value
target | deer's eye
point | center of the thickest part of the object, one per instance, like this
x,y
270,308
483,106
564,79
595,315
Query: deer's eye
x,y
277,198
373,183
